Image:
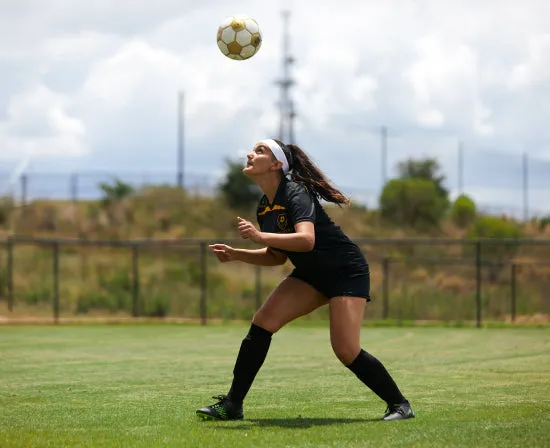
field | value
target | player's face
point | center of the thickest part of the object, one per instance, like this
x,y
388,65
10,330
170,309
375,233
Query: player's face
x,y
260,161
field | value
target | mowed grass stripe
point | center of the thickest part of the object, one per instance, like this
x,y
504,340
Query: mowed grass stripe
x,y
139,385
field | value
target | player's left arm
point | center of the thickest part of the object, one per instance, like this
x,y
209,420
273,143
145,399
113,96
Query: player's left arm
x,y
303,240
301,211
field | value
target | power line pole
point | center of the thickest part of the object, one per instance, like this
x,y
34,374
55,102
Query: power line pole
x,y
384,153
525,186
180,178
460,168
286,105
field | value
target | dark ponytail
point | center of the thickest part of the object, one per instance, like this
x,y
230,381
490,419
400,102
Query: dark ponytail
x,y
304,171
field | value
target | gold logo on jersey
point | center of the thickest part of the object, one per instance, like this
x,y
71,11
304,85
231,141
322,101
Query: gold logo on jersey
x,y
266,209
282,223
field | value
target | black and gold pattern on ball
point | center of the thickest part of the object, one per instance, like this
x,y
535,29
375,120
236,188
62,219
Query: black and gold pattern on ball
x,y
239,37
238,25
256,40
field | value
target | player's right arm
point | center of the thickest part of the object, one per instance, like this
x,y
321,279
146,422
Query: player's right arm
x,y
258,257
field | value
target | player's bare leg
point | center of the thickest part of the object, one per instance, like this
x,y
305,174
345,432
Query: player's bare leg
x,y
346,316
292,299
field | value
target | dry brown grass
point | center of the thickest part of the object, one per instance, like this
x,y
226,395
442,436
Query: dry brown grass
x,y
170,213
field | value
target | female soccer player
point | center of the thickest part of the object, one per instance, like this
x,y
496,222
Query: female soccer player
x,y
328,269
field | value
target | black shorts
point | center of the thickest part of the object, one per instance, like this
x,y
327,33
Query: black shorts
x,y
337,285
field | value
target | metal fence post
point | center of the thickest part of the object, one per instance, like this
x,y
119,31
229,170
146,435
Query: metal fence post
x,y
513,285
478,284
203,284
136,308
258,270
9,274
3,275
385,288
56,282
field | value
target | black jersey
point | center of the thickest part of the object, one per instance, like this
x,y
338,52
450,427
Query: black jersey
x,y
333,252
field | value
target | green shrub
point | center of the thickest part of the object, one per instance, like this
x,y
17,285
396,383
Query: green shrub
x,y
238,190
38,294
99,300
463,211
543,223
114,279
493,227
413,202
113,291
116,192
424,168
156,305
497,253
215,280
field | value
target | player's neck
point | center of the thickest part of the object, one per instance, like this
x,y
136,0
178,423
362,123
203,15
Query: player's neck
x,y
269,186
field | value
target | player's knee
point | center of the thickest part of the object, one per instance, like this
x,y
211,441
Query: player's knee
x,y
267,322
345,352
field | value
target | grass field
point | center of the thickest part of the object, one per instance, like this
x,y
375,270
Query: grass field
x,y
139,386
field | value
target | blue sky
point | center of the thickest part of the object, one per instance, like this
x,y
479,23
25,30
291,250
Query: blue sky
x,y
94,87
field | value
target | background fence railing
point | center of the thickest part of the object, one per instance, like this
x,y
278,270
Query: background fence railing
x,y
411,279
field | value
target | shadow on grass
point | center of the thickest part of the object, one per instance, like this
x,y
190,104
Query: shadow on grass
x,y
291,423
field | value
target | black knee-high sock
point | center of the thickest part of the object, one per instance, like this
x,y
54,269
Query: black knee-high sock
x,y
252,353
375,376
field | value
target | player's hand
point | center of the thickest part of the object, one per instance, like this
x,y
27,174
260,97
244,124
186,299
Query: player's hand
x,y
223,252
249,231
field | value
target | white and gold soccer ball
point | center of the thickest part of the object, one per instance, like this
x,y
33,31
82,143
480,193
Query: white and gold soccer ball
x,y
239,37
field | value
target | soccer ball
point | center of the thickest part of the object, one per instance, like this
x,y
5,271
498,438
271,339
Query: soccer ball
x,y
239,37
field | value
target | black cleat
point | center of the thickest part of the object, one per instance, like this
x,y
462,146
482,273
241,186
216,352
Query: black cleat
x,y
399,411
224,409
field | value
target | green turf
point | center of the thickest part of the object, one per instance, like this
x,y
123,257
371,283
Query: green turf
x,y
139,386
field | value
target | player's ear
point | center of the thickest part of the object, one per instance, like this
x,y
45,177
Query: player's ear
x,y
277,165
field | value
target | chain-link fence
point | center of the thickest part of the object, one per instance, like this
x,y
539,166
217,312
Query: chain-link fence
x,y
515,185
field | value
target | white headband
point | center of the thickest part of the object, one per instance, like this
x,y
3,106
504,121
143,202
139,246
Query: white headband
x,y
277,152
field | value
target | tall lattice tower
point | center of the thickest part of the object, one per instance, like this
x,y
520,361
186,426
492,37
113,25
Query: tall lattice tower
x,y
286,105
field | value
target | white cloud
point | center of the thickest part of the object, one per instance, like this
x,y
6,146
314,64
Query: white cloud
x,y
535,68
481,118
102,80
140,82
430,117
80,45
38,124
446,85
